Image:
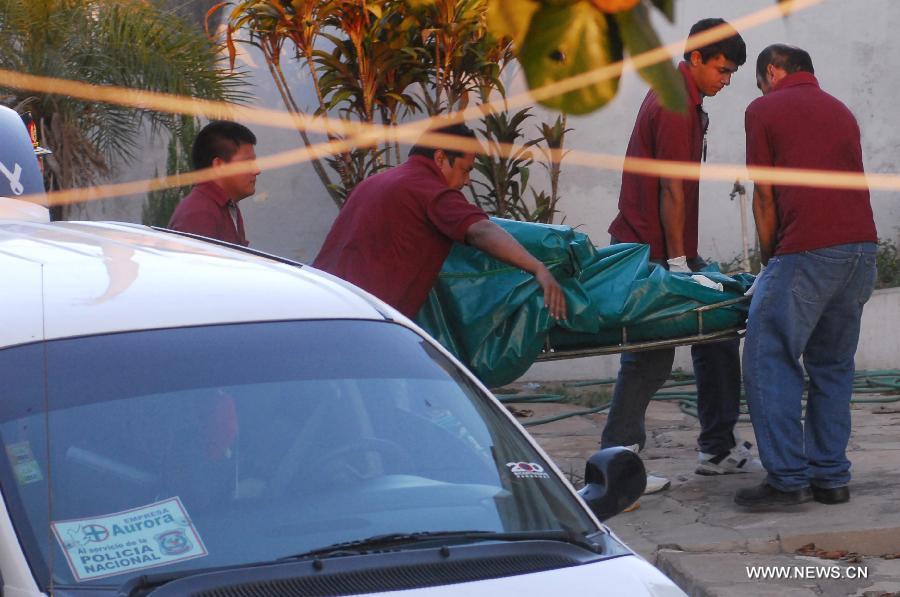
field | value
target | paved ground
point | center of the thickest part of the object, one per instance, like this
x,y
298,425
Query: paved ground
x,y
702,540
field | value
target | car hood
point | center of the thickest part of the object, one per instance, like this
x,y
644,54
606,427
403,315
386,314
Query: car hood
x,y
627,575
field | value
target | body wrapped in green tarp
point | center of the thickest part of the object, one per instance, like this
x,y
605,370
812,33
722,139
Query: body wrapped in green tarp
x,y
492,316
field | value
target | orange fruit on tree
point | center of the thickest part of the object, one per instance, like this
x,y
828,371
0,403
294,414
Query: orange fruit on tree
x,y
611,6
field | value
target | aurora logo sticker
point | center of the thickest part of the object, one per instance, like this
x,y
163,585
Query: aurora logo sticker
x,y
124,542
527,470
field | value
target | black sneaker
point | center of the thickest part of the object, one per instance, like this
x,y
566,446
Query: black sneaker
x,y
766,496
831,495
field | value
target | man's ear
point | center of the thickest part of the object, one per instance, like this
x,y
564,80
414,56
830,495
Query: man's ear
x,y
696,58
440,157
775,73
217,162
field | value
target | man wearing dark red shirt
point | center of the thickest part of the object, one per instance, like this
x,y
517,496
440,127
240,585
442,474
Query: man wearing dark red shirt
x,y
211,208
663,213
396,229
818,247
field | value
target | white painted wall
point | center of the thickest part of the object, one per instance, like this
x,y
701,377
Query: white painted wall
x,y
290,213
857,57
856,53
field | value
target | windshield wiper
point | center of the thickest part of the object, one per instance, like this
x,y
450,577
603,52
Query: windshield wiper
x,y
142,585
379,542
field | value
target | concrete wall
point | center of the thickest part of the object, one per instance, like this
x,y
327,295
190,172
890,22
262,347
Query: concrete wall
x,y
857,56
853,45
855,50
290,213
879,347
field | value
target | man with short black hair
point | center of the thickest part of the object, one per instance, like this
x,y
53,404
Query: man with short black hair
x,y
663,213
397,228
818,248
211,208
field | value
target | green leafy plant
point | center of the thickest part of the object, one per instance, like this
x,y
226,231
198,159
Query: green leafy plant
x,y
373,61
384,60
886,260
157,211
504,177
502,185
270,26
358,163
553,137
367,76
108,42
735,264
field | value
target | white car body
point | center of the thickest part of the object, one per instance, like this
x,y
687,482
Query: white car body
x,y
71,279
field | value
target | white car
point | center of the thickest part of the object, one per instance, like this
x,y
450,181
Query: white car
x,y
181,417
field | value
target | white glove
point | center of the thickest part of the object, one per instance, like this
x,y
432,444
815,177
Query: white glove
x,y
752,289
678,265
704,281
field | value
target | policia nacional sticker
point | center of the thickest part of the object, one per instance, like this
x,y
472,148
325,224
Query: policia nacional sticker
x,y
146,537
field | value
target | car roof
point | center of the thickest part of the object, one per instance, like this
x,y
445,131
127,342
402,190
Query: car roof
x,y
64,279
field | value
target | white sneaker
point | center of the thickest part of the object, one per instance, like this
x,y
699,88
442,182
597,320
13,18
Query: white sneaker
x,y
654,482
738,460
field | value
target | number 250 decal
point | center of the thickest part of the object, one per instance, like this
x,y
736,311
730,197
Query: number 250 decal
x,y
527,470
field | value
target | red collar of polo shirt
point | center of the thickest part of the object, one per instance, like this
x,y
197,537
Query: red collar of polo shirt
x,y
794,79
430,164
690,84
214,192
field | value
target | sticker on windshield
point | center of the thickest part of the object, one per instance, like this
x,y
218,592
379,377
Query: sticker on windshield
x,y
527,470
24,465
136,539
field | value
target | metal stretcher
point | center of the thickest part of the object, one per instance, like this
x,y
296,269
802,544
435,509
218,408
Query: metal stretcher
x,y
550,353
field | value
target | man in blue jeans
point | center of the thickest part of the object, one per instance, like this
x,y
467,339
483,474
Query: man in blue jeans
x,y
663,213
818,247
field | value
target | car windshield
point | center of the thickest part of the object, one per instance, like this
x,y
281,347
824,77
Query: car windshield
x,y
179,449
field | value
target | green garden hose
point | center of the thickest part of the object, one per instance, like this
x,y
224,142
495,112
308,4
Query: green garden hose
x,y
886,383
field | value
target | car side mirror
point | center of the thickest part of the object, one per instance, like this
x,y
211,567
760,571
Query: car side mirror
x,y
614,478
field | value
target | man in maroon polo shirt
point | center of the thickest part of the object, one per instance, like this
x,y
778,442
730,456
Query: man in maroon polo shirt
x,y
211,208
663,213
818,247
396,229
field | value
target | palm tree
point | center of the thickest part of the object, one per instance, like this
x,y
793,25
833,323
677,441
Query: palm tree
x,y
126,43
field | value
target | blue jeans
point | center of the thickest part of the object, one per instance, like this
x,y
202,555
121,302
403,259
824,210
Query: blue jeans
x,y
717,368
806,304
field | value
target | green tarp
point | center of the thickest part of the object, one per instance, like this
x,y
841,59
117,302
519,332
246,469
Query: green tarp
x,y
492,316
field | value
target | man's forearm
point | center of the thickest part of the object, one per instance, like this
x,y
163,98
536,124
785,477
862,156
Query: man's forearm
x,y
672,215
765,215
497,242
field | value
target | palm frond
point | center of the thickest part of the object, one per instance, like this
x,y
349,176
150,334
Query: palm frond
x,y
106,42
